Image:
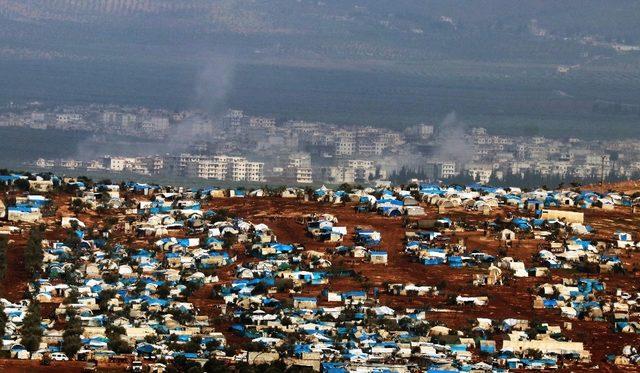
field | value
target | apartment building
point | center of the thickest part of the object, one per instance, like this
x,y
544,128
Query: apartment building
x,y
337,174
262,122
223,167
68,118
299,169
300,175
128,120
117,163
444,170
179,164
345,147
361,169
480,172
156,124
208,169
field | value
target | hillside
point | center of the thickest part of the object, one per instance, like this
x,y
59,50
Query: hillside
x,y
406,30
561,65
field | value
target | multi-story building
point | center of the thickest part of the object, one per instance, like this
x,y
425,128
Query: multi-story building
x,y
420,132
156,124
337,174
480,172
141,165
345,147
255,171
207,169
261,122
153,164
109,117
300,175
127,120
221,167
68,118
300,160
236,168
178,164
117,163
444,170
362,170
370,148
298,169
38,116
70,163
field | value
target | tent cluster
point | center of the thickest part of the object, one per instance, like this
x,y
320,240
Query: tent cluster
x,y
140,291
482,197
135,292
322,227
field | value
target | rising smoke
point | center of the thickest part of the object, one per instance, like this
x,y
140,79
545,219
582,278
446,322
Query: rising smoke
x,y
452,142
212,83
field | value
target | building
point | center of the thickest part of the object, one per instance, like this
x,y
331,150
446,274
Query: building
x,y
255,171
444,170
345,147
141,165
337,174
117,163
420,131
480,172
109,117
156,124
207,169
300,175
298,170
220,168
67,118
363,170
127,120
262,122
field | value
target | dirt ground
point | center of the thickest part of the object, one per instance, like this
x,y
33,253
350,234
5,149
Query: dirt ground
x,y
513,300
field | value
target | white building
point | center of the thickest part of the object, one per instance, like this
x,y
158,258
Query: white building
x,y
301,175
208,169
480,172
345,146
444,170
223,167
128,120
362,169
337,174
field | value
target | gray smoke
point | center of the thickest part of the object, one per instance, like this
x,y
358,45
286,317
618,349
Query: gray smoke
x,y
213,83
211,87
452,142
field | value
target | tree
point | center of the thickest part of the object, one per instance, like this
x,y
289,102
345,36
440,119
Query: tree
x,y
193,345
21,184
33,254
116,343
72,240
31,331
71,342
77,205
163,291
346,187
182,364
3,320
215,366
3,257
72,297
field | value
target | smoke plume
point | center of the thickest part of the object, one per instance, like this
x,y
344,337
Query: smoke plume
x,y
452,142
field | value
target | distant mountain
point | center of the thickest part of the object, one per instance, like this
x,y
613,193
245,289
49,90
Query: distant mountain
x,y
404,31
533,67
